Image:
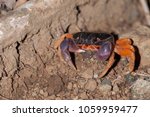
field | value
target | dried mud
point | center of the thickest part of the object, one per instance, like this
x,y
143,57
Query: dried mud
x,y
31,69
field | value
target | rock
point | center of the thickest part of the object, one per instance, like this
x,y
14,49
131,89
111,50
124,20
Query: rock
x,y
88,73
130,79
74,97
141,90
34,94
70,85
83,96
55,85
95,75
81,83
115,88
91,85
41,92
105,89
52,97
106,81
45,94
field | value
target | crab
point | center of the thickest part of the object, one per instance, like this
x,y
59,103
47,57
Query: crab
x,y
103,44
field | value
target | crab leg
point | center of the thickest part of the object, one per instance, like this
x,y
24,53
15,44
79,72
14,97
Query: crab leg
x,y
103,54
109,64
67,46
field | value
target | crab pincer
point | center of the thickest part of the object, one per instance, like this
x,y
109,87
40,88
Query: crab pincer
x,y
67,46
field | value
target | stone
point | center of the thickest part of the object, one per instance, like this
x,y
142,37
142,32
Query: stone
x,y
81,83
95,75
115,88
141,90
105,89
83,96
91,85
106,81
55,85
44,93
69,86
52,97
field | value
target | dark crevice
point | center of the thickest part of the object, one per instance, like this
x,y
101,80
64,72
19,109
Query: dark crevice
x,y
148,3
24,38
78,14
4,67
28,35
78,9
18,59
67,29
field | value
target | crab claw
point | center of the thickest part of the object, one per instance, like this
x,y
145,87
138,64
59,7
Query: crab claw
x,y
67,46
104,52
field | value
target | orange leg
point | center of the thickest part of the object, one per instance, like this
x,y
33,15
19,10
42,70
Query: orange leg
x,y
126,50
109,64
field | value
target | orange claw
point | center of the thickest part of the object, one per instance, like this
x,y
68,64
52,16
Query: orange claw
x,y
124,41
126,50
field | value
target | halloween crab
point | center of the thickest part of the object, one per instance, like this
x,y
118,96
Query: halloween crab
x,y
103,44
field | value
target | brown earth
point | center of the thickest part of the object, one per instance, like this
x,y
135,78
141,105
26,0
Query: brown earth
x,y
31,69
